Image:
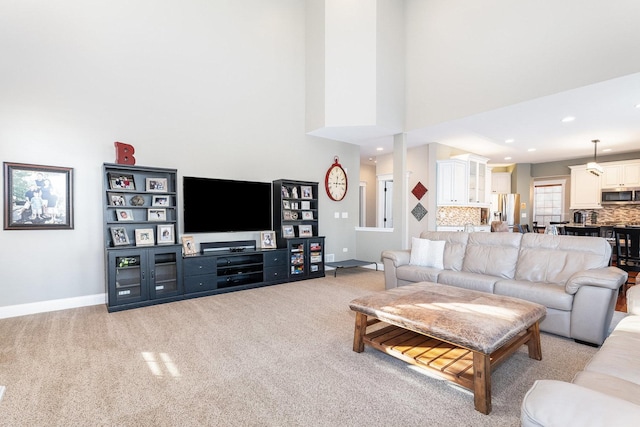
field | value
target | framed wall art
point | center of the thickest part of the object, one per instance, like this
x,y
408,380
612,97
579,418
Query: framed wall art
x,y
37,197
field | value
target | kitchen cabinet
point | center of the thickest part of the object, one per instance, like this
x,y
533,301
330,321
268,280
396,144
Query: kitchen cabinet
x,y
478,179
585,189
621,174
500,182
451,182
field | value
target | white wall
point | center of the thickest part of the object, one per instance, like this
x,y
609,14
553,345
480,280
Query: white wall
x,y
214,89
466,57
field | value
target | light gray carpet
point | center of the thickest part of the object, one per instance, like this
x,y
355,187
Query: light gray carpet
x,y
272,356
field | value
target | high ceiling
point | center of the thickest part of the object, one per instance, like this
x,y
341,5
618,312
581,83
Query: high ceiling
x,y
607,111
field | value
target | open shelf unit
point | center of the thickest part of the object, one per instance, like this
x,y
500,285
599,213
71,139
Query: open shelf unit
x,y
141,201
295,209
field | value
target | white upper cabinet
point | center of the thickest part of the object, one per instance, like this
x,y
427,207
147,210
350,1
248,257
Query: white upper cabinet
x,y
585,189
478,179
621,174
451,182
500,182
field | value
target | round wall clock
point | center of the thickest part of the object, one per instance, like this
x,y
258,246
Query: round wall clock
x,y
336,181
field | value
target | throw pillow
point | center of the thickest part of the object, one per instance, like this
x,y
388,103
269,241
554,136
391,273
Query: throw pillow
x,y
427,253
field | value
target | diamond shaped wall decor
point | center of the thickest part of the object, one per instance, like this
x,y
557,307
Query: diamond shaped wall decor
x,y
419,212
419,190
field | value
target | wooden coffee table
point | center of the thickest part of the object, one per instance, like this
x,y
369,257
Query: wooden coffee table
x,y
460,334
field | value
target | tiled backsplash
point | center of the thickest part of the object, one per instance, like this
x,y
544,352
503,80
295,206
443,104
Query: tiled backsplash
x,y
618,214
452,215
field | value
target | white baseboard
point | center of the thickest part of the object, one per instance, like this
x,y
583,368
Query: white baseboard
x,y
53,305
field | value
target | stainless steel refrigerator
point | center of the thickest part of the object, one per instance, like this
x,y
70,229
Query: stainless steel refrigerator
x,y
506,207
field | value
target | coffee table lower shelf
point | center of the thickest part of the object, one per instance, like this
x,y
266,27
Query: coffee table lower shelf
x,y
467,368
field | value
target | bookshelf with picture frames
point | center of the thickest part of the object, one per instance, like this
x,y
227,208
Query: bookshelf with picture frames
x,y
143,258
295,221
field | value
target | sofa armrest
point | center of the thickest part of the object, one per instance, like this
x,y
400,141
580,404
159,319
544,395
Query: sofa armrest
x,y
552,403
391,260
608,277
397,257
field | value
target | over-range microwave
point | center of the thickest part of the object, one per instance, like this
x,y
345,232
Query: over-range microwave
x,y
620,196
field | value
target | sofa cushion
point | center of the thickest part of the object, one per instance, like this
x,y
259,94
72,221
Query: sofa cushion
x,y
454,248
554,259
607,384
463,279
548,294
427,253
494,254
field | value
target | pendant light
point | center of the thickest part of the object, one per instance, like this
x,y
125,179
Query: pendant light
x,y
594,167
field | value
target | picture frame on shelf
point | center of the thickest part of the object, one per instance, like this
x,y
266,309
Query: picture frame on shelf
x,y
305,230
305,205
156,214
286,204
124,214
160,200
157,184
116,199
166,234
288,232
119,236
306,192
188,245
268,240
121,181
307,215
37,197
285,192
144,237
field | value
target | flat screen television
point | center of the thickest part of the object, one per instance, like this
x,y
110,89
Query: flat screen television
x,y
222,205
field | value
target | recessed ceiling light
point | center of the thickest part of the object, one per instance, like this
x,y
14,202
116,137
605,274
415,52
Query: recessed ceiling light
x,y
568,119
531,149
606,150
637,105
509,141
379,149
507,158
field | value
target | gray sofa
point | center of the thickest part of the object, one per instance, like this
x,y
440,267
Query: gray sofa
x,y
606,392
570,275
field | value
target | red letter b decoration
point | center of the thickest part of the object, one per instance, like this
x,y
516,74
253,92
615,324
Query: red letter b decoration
x,y
124,153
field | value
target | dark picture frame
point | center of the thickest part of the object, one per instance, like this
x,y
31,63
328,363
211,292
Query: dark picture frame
x,y
37,197
121,182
